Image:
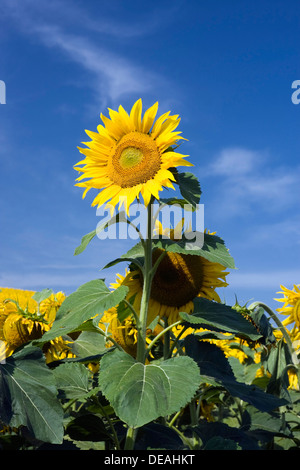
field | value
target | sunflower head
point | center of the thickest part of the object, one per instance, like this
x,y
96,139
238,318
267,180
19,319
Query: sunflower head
x,y
291,305
21,321
18,330
125,334
178,280
130,156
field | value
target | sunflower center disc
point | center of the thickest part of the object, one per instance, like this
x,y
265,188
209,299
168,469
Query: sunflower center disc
x,y
134,159
130,157
178,279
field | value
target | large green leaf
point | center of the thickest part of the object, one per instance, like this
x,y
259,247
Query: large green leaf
x,y
29,396
220,317
89,300
216,370
141,393
213,248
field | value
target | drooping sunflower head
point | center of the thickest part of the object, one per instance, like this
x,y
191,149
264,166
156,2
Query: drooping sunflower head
x,y
130,156
21,321
178,280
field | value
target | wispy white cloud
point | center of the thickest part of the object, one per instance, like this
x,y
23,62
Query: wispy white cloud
x,y
234,162
247,182
111,75
107,22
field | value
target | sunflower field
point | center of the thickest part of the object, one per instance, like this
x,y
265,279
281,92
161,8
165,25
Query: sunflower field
x,y
155,360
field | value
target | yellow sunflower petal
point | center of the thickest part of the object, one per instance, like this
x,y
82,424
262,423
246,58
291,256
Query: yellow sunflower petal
x,y
136,114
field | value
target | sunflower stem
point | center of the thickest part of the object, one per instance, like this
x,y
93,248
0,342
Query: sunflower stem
x,y
166,340
278,323
130,438
142,326
159,335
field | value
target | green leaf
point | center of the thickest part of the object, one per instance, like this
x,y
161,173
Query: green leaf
x,y
216,370
155,436
89,300
173,201
262,323
245,373
264,425
86,239
141,393
189,187
123,311
220,443
213,248
89,343
84,242
40,296
29,395
213,335
209,431
135,253
72,379
220,317
278,363
87,427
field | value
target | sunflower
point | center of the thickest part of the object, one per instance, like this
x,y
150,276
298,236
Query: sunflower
x,y
123,332
291,307
178,280
21,321
130,156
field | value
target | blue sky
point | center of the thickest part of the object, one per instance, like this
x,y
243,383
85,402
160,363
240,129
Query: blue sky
x,y
226,67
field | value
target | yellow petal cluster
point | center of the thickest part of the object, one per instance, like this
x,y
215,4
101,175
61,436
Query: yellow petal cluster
x,y
22,320
291,305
